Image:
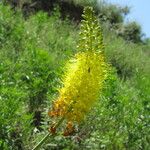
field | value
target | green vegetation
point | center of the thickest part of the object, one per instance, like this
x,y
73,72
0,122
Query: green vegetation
x,y
33,53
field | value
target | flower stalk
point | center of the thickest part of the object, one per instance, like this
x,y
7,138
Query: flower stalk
x,y
84,78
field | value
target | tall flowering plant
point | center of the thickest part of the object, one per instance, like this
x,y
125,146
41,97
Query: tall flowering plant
x,y
85,74
84,77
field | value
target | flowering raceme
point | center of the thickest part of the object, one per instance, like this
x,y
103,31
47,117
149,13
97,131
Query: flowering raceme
x,y
85,73
83,80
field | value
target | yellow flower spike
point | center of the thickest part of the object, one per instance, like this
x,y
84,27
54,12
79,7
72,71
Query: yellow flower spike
x,y
83,79
85,73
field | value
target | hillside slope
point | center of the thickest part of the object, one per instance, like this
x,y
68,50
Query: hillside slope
x,y
33,53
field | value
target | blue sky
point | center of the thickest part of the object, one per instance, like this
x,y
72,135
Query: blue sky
x,y
140,12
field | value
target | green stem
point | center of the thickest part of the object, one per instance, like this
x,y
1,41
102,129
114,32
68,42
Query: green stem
x,y
48,134
41,142
56,126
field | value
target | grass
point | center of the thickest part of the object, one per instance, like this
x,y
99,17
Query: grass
x,y
33,53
